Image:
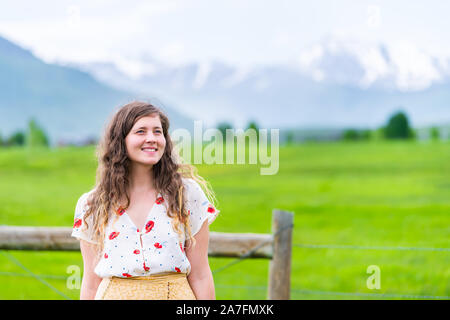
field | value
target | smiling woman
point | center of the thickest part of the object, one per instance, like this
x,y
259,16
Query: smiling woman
x,y
144,227
146,141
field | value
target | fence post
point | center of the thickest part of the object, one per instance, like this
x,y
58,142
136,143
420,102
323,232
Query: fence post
x,y
280,265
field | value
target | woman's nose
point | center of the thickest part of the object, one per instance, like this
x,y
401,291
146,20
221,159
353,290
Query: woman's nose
x,y
150,137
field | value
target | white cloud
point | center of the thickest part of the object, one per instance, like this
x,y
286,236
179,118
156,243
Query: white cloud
x,y
413,69
134,68
403,63
172,53
374,64
242,33
241,73
309,57
202,74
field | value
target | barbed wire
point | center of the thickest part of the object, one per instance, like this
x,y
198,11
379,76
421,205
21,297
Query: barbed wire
x,y
337,293
14,260
264,288
17,274
250,252
362,294
337,246
327,246
253,250
324,246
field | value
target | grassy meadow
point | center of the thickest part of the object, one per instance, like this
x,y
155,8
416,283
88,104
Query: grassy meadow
x,y
384,194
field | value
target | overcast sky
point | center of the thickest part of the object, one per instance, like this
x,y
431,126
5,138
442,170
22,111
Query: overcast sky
x,y
240,32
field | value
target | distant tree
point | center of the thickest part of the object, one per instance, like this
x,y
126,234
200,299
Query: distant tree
x,y
223,126
398,127
253,125
350,134
353,134
1,140
366,134
16,139
435,133
36,135
290,137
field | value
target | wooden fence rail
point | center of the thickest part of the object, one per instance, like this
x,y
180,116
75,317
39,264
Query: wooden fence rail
x,y
276,246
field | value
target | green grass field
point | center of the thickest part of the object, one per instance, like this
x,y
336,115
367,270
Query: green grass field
x,y
390,194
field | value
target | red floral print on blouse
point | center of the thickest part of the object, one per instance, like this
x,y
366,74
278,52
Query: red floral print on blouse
x,y
157,245
149,226
77,223
113,235
211,209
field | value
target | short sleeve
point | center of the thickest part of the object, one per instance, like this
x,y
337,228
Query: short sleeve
x,y
80,231
198,205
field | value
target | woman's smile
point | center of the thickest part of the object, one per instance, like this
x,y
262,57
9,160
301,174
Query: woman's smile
x,y
146,142
150,150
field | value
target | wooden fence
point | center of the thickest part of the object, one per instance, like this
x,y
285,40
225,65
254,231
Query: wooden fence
x,y
276,246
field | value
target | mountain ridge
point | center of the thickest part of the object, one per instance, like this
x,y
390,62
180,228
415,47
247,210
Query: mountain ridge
x,y
70,104
287,95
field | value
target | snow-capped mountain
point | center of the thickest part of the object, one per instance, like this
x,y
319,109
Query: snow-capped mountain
x,y
401,66
335,83
69,104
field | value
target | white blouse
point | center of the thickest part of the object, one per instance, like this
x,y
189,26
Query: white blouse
x,y
130,252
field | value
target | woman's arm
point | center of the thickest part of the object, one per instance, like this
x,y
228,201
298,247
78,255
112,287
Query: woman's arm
x,y
200,278
90,280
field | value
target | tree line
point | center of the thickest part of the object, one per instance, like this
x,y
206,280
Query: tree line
x,y
397,127
33,136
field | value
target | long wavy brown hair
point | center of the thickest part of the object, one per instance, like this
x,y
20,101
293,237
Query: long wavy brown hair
x,y
112,180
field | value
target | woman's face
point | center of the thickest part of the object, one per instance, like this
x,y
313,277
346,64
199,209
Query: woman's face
x,y
146,142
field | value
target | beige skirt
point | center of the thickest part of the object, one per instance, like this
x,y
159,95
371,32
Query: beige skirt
x,y
164,286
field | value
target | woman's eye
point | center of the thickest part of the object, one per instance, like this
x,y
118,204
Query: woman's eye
x,y
139,131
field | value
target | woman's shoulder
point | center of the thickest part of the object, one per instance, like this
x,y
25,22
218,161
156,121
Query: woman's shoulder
x,y
189,182
87,194
191,185
194,191
82,202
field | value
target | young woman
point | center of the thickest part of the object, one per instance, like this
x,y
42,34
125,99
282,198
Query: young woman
x,y
143,229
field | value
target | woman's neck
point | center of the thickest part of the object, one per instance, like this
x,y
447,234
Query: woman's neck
x,y
141,178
